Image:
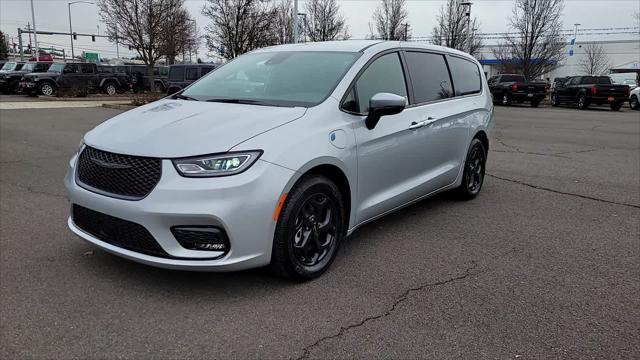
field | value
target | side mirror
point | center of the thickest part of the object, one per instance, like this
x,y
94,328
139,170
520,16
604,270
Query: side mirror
x,y
382,104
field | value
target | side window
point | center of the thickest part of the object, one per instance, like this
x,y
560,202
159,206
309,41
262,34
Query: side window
x,y
71,68
575,81
86,68
429,76
466,76
191,73
205,70
383,75
176,73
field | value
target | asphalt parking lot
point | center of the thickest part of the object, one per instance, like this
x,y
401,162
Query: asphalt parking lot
x,y
545,263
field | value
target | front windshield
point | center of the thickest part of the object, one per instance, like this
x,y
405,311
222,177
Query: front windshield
x,y
288,78
28,67
8,66
56,68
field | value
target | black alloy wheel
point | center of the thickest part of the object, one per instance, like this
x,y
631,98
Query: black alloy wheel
x,y
311,225
582,102
474,171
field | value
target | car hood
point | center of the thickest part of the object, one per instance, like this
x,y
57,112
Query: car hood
x,y
13,73
180,128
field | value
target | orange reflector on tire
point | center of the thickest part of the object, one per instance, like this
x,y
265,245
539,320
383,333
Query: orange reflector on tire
x,y
276,213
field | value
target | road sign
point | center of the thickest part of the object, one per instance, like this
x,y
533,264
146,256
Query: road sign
x,y
92,57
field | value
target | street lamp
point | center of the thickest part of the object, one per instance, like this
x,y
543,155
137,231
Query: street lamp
x,y
70,28
468,3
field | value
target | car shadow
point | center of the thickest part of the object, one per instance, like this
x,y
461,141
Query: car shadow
x,y
114,268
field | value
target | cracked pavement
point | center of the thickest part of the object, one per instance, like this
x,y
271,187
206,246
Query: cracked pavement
x,y
545,263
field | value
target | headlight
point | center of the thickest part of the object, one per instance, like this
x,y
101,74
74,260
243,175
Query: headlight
x,y
217,165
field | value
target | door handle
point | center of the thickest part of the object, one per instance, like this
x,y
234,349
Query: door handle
x,y
416,125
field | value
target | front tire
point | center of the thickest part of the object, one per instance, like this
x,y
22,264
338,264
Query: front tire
x,y
110,89
311,225
474,170
46,89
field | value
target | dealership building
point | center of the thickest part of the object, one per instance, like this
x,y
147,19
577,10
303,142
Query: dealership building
x,y
623,55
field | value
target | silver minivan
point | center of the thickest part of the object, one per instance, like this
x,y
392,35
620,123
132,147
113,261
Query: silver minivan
x,y
277,156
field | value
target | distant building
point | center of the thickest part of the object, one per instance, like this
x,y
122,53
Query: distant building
x,y
624,56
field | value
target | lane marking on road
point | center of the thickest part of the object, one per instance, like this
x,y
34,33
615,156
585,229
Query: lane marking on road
x,y
20,105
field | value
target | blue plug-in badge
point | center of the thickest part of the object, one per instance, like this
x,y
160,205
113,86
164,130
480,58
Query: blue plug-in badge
x,y
333,136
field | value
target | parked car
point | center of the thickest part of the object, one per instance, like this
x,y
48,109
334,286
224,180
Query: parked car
x,y
141,80
507,88
73,78
11,66
587,90
279,154
634,99
114,79
630,79
183,75
9,80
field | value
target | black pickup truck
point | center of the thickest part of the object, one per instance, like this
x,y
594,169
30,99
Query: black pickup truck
x,y
9,80
506,88
114,79
69,78
587,90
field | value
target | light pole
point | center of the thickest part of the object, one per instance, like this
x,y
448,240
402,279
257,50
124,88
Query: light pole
x,y
575,40
35,36
469,44
295,21
70,28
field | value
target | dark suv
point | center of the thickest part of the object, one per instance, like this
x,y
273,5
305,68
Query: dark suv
x,y
114,79
140,78
181,76
9,80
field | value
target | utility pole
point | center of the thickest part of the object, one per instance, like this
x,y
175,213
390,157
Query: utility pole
x,y
295,21
406,31
71,29
35,35
20,44
29,30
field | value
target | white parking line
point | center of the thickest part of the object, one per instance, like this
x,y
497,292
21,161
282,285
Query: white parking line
x,y
18,105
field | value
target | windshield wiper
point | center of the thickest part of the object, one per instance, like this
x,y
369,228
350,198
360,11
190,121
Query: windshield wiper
x,y
243,101
183,97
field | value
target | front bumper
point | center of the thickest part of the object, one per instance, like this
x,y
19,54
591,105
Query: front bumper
x,y
242,205
27,87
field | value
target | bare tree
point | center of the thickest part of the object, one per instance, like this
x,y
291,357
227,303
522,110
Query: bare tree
x,y
453,29
324,22
184,35
390,19
140,24
238,26
595,60
283,22
537,45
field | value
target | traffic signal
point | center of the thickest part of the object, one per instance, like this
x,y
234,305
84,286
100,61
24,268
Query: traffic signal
x,y
93,38
75,37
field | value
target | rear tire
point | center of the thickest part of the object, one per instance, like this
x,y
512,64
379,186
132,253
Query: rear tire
x,y
554,100
634,103
506,99
311,225
582,102
615,106
474,170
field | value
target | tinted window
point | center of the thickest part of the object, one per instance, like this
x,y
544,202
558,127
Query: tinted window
x,y
429,76
383,75
575,81
105,69
512,78
466,76
192,73
205,70
86,68
42,67
71,68
595,80
176,73
290,78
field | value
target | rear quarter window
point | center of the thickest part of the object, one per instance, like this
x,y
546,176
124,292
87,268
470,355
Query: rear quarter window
x,y
466,76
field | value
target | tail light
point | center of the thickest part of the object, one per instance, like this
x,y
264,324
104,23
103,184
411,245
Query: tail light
x,y
514,87
546,88
594,90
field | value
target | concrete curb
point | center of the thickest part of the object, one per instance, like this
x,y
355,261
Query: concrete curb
x,y
119,106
